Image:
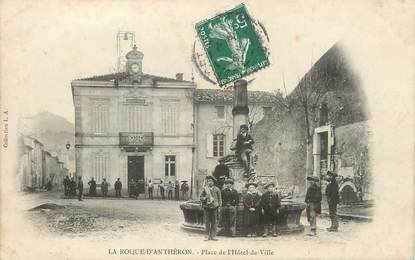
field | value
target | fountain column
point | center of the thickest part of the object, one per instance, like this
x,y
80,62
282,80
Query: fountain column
x,y
240,109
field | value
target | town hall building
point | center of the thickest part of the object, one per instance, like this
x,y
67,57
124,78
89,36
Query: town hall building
x,y
132,125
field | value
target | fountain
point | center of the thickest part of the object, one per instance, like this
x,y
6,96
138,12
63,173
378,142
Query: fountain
x,y
290,211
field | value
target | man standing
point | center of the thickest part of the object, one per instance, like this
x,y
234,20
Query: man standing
x,y
211,200
221,173
66,183
72,187
313,200
80,188
131,188
161,187
92,187
150,189
118,186
104,187
170,189
184,188
230,201
332,194
176,190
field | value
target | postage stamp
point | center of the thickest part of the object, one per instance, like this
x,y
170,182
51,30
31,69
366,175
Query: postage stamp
x,y
232,45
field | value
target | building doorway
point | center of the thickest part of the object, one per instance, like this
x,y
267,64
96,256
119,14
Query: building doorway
x,y
136,171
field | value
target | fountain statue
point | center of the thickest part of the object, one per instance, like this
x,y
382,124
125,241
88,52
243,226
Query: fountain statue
x,y
243,171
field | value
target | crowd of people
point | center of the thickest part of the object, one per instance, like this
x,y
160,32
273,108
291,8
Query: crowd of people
x,y
226,201
181,192
220,202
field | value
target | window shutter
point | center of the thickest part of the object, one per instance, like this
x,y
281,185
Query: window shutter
x,y
209,145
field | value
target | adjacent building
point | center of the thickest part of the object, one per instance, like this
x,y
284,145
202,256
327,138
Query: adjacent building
x,y
36,166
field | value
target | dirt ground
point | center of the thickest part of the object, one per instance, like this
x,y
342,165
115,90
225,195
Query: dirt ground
x,y
108,218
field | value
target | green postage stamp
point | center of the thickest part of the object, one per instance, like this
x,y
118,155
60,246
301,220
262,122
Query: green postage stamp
x,y
232,45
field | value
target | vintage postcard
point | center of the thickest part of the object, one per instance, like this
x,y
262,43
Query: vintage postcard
x,y
207,129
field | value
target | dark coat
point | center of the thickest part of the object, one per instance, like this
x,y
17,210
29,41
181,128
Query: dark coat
x,y
270,203
221,173
230,197
332,193
80,185
314,196
252,200
118,185
184,187
104,186
92,186
214,201
240,139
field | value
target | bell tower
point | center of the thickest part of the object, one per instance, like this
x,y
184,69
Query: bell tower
x,y
134,66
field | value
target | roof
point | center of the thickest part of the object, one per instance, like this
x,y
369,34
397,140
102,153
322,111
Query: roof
x,y
123,75
226,96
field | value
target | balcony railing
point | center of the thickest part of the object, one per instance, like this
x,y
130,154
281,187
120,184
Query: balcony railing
x,y
136,139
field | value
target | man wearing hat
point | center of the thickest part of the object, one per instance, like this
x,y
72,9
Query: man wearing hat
x,y
332,195
221,173
252,201
230,201
211,200
244,144
184,189
313,200
270,204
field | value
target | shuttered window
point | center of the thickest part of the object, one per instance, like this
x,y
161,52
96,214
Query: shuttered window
x,y
100,166
218,145
136,118
100,116
169,118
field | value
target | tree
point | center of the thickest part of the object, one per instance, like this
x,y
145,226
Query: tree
x,y
310,90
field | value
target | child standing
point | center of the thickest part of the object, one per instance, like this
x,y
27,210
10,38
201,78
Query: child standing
x,y
244,144
251,202
270,204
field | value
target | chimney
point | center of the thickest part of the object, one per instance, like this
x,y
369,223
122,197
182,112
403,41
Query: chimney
x,y
179,76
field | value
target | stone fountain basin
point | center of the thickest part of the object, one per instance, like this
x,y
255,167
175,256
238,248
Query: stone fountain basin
x,y
288,219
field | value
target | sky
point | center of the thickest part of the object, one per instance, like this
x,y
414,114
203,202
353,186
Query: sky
x,y
50,43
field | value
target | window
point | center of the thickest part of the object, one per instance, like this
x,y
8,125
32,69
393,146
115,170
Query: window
x,y
99,166
136,118
169,118
220,110
218,145
170,165
99,116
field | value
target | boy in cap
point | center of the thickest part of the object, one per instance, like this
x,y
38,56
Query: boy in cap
x,y
211,200
230,201
270,204
313,200
332,195
251,202
244,144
